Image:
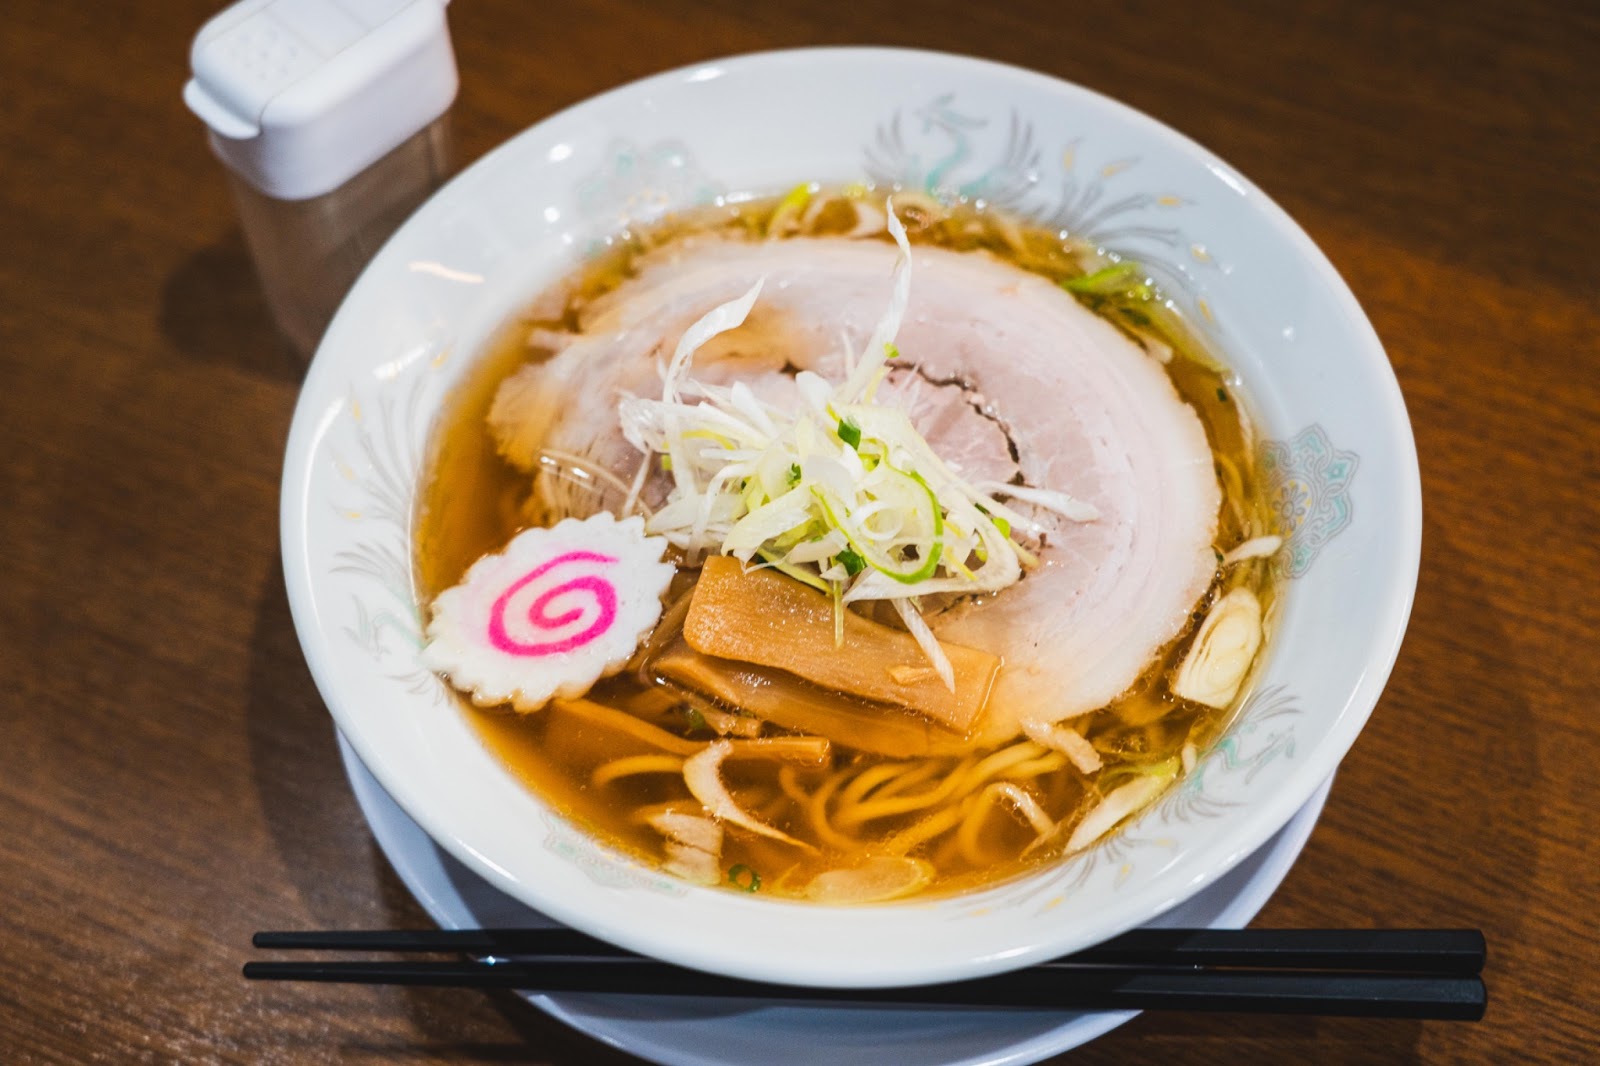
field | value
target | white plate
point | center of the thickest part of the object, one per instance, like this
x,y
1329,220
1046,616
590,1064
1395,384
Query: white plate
x,y
682,1032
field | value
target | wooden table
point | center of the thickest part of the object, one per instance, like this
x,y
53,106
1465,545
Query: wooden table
x,y
168,777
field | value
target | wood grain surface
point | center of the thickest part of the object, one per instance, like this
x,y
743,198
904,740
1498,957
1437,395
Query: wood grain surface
x,y
169,781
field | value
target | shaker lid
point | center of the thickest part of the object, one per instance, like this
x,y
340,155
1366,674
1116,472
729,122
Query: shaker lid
x,y
302,95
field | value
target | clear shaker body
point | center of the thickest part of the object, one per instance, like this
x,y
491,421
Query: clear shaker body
x,y
309,252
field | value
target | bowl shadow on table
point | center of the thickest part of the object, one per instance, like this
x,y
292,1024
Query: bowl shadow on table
x,y
328,859
213,311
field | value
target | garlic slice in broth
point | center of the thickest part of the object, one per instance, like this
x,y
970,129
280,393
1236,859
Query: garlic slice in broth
x,y
883,877
1222,651
703,774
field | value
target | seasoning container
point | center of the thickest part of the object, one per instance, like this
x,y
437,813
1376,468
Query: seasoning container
x,y
332,119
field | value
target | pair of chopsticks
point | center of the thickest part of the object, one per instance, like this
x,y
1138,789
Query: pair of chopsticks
x,y
1416,973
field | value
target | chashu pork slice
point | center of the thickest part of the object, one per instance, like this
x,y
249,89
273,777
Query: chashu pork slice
x,y
1004,374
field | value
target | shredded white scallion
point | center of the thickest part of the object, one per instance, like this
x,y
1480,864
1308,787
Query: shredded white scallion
x,y
843,492
1049,499
1254,548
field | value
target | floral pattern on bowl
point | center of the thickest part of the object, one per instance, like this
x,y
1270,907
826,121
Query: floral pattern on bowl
x,y
638,185
1309,484
952,153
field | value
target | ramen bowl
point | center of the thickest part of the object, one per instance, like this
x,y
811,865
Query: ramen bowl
x,y
1335,448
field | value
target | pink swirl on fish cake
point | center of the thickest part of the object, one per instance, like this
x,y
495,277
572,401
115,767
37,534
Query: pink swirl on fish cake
x,y
605,598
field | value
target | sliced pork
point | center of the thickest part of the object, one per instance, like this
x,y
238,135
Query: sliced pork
x,y
1005,375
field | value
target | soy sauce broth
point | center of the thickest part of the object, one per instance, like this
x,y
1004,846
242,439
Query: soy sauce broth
x,y
470,504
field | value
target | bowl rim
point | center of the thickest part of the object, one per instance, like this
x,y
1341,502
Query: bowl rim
x,y
1247,829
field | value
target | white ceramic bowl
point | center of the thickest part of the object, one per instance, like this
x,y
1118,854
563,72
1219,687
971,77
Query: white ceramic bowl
x,y
1338,450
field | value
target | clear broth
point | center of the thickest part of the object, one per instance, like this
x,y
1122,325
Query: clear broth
x,y
470,504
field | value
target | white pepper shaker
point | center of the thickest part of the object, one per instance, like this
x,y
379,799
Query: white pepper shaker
x,y
332,119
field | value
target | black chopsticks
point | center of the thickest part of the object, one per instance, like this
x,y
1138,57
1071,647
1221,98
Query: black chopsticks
x,y
1419,973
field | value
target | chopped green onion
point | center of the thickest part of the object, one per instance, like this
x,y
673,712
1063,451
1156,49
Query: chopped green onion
x,y
798,196
742,876
789,209
876,557
709,434
962,568
1125,279
695,722
849,432
799,573
851,561
836,593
